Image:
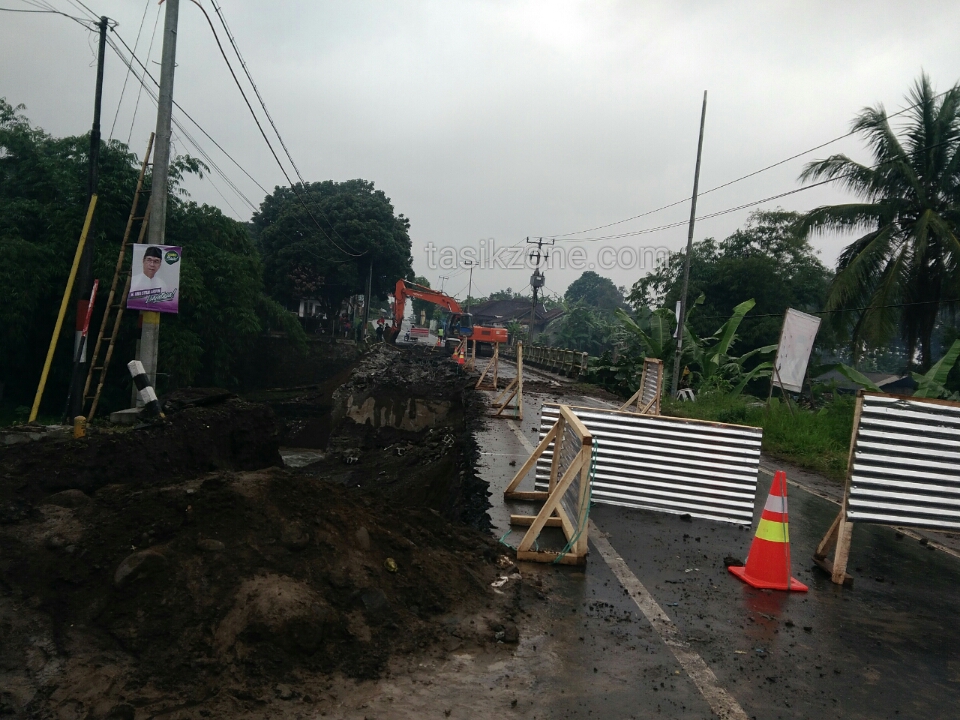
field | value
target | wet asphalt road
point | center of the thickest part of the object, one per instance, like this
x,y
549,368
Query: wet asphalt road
x,y
888,648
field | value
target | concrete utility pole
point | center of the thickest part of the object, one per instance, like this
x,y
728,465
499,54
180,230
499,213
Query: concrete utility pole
x,y
443,279
156,232
85,274
686,262
537,280
470,283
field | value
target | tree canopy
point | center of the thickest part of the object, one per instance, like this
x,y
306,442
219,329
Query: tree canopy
x,y
904,271
43,187
595,291
324,250
767,260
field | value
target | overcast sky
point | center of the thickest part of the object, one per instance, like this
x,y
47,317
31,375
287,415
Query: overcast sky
x,y
508,119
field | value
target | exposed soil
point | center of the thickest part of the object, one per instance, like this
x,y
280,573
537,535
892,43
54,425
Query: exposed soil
x,y
173,569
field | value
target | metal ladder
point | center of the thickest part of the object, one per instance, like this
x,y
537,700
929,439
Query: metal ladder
x,y
117,307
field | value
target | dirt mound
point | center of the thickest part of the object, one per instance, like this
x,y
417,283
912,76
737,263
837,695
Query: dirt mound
x,y
403,428
231,435
228,583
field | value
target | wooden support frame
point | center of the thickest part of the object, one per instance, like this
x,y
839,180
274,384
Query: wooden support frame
x,y
652,406
492,367
471,359
552,513
840,533
513,393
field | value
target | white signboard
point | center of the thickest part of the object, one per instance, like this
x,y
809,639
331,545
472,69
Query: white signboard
x,y
793,353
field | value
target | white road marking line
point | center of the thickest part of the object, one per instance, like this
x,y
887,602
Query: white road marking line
x,y
720,701
519,433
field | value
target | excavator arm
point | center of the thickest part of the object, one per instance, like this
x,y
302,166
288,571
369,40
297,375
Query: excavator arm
x,y
407,289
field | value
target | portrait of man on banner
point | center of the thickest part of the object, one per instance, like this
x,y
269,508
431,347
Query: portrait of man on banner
x,y
155,278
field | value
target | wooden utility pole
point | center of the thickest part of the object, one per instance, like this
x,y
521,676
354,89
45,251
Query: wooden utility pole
x,y
156,231
686,261
366,302
85,273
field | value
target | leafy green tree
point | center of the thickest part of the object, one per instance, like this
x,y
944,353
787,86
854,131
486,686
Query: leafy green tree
x,y
329,259
43,185
595,291
905,270
768,260
583,328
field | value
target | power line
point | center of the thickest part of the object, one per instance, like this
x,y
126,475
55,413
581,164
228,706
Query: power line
x,y
270,145
153,37
647,231
126,75
736,180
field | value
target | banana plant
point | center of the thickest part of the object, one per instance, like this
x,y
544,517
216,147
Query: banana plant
x,y
653,330
932,383
718,368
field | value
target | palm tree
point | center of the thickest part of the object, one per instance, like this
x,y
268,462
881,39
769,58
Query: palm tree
x,y
906,269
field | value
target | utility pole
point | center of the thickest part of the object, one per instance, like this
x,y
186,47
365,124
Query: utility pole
x,y
537,280
156,232
443,279
470,283
686,261
85,274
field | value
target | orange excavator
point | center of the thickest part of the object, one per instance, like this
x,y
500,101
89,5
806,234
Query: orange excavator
x,y
456,325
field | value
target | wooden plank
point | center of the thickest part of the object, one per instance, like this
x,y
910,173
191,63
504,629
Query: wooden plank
x,y
557,451
828,540
544,556
525,520
530,462
842,553
826,564
528,495
578,427
551,506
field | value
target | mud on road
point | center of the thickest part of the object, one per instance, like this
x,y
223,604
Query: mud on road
x,y
177,571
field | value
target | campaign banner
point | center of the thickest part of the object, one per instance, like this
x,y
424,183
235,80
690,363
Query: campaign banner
x,y
155,278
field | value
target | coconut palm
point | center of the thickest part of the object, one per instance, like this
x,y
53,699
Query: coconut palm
x,y
909,256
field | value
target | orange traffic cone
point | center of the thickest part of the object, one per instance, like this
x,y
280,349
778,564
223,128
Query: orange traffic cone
x,y
460,357
768,564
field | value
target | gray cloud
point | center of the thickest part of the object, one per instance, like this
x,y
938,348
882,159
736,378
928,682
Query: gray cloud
x,y
502,120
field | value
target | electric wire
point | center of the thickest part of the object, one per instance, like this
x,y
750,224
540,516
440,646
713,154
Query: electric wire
x,y
272,150
126,75
727,211
153,37
839,310
736,180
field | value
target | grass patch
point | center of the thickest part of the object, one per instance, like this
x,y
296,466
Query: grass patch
x,y
815,439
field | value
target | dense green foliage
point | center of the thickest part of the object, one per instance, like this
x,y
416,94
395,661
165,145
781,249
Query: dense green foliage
x,y
594,291
324,250
43,184
768,260
905,269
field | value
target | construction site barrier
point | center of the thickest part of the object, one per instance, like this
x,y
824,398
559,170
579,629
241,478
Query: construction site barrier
x,y
647,397
564,362
510,401
566,492
489,376
903,470
671,465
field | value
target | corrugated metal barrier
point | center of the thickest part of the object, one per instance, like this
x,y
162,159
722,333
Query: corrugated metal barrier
x,y
906,463
672,465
